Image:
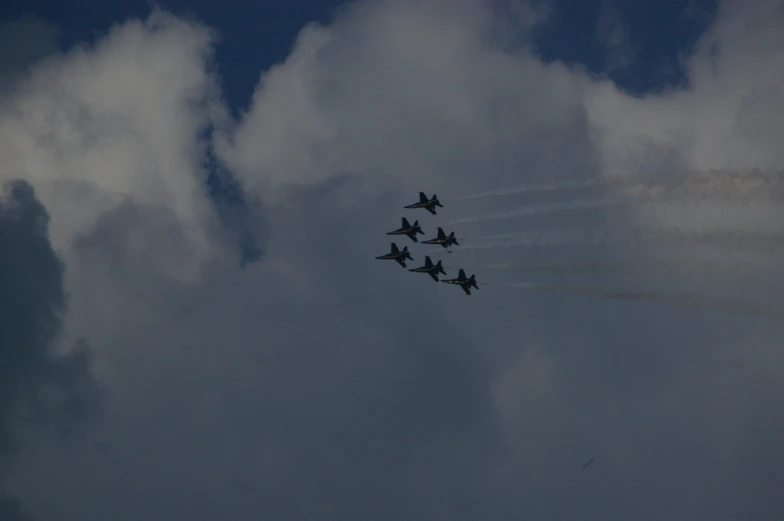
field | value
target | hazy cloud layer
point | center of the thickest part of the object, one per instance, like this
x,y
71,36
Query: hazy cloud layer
x,y
322,384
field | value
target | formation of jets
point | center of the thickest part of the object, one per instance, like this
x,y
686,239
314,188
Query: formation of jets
x,y
441,239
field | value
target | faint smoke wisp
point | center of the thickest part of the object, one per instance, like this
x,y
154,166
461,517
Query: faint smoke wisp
x,y
738,307
534,210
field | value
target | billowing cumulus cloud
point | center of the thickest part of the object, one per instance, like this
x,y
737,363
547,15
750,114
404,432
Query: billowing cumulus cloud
x,y
319,383
123,120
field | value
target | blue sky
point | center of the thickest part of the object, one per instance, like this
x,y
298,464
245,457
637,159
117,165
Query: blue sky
x,y
612,171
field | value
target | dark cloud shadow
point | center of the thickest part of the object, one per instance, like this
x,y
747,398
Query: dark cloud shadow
x,y
40,389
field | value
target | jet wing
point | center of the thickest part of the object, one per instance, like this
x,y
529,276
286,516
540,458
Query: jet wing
x,y
430,209
441,234
423,198
405,226
428,262
401,261
461,275
394,248
466,289
435,277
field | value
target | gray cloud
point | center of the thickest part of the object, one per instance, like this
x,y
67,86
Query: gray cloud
x,y
320,383
40,388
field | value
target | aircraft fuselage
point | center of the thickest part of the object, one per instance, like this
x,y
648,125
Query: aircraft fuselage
x,y
430,207
464,284
410,233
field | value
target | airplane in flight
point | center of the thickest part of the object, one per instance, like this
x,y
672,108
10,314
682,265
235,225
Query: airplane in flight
x,y
443,240
463,282
409,230
399,256
429,205
431,269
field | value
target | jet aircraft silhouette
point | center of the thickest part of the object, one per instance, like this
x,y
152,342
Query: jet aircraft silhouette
x,y
429,205
463,282
443,240
399,256
431,269
407,229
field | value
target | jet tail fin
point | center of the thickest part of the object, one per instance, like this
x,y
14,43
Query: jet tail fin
x,y
440,268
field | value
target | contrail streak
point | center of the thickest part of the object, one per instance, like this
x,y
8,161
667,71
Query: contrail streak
x,y
531,210
544,239
748,309
565,185
765,243
749,277
690,183
571,267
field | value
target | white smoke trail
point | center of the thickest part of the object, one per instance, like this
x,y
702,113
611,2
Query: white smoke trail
x,y
748,309
564,185
726,241
532,210
719,274
698,184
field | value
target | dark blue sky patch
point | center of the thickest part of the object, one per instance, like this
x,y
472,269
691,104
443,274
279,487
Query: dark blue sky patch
x,y
657,33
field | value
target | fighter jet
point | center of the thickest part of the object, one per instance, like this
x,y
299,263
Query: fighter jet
x,y
409,230
443,240
431,269
429,205
397,255
463,282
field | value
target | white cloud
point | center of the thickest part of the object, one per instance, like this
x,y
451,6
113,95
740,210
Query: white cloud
x,y
94,126
351,96
320,383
